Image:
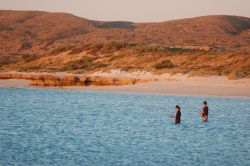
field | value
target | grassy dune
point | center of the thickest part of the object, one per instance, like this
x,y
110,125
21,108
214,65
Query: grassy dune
x,y
155,58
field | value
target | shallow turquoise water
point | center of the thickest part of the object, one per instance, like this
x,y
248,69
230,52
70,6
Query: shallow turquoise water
x,y
59,127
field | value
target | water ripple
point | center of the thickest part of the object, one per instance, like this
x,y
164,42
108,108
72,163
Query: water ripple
x,y
52,127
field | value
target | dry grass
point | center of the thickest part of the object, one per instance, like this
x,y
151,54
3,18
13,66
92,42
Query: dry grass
x,y
125,56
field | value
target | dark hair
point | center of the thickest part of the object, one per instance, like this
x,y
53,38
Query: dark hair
x,y
204,102
178,107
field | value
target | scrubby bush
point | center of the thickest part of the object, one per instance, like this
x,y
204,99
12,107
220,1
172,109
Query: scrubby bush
x,y
28,68
96,47
239,73
4,27
76,50
149,48
60,50
26,45
176,50
29,57
9,59
78,30
115,45
164,64
79,64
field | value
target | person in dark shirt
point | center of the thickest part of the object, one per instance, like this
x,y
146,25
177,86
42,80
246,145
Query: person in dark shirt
x,y
178,115
204,112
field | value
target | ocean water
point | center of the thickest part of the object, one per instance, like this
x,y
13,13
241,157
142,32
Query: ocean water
x,y
66,128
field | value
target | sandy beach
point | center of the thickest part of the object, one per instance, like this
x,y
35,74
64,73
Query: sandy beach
x,y
166,85
183,85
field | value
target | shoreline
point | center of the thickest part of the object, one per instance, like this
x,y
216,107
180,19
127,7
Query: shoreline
x,y
178,85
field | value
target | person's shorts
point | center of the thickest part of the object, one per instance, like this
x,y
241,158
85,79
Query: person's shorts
x,y
204,118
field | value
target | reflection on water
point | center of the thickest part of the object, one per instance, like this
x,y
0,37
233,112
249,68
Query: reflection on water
x,y
56,127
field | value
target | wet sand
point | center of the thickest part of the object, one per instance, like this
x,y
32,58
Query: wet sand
x,y
14,83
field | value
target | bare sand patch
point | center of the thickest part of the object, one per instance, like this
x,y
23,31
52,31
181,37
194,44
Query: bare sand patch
x,y
166,84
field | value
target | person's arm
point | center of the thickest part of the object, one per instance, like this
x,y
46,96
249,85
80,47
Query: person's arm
x,y
172,116
201,112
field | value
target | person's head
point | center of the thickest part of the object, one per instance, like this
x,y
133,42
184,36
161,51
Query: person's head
x,y
204,103
177,108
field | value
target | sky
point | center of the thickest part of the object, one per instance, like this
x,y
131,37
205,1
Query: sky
x,y
134,10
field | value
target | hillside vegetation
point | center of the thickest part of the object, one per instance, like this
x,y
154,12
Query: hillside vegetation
x,y
158,59
41,41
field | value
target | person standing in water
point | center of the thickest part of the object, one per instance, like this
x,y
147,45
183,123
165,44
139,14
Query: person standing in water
x,y
204,112
178,115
